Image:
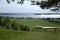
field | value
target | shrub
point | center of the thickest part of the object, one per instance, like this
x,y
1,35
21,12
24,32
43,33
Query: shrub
x,y
15,26
24,28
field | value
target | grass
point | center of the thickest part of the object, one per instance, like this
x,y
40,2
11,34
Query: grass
x,y
35,22
6,34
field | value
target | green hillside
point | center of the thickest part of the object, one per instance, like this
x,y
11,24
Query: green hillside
x,y
19,29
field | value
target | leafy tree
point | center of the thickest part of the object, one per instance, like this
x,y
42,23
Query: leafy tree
x,y
26,28
22,27
8,26
7,23
55,4
15,26
0,20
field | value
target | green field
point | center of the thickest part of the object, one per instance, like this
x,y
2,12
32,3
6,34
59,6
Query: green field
x,y
36,22
8,34
23,35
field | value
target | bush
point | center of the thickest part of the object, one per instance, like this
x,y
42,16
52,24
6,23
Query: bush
x,y
0,20
24,27
12,24
15,26
21,27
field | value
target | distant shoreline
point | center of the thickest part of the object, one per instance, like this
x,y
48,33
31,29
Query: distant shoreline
x,y
16,15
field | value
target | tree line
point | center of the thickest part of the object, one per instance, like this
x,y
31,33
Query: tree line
x,y
53,20
8,23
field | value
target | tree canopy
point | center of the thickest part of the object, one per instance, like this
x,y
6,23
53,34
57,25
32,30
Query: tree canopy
x,y
18,1
54,5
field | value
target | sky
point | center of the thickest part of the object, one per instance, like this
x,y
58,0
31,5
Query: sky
x,y
13,7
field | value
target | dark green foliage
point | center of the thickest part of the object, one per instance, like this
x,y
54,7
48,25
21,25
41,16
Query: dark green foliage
x,y
49,4
24,28
53,20
21,27
0,20
20,24
8,26
7,23
14,25
44,4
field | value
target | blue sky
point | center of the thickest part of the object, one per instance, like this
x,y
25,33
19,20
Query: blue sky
x,y
13,7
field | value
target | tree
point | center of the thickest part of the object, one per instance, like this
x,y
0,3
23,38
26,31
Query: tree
x,y
7,23
50,4
14,25
0,20
55,4
26,28
21,27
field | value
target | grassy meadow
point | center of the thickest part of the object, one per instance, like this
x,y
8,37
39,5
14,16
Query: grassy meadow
x,y
9,34
6,34
36,22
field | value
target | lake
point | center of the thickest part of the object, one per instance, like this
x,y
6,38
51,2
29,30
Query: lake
x,y
32,15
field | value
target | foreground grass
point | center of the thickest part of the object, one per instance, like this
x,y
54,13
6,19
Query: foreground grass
x,y
6,34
